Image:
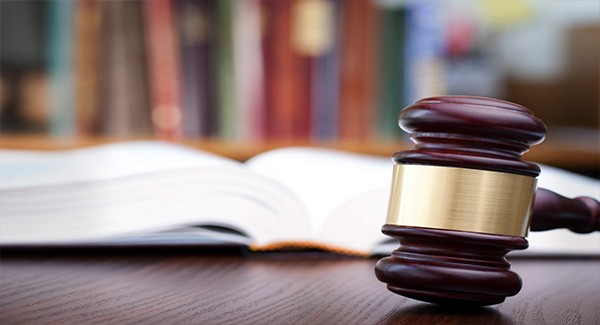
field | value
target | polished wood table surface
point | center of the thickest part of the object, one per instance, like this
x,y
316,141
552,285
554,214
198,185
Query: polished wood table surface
x,y
148,287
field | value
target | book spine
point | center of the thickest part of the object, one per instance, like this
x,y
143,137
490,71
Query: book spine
x,y
88,17
424,66
192,30
287,72
112,119
126,106
228,124
208,73
302,108
249,79
326,74
163,68
356,113
139,114
279,119
267,40
391,68
60,69
312,38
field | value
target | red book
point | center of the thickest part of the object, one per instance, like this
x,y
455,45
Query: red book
x,y
357,111
266,13
163,68
286,74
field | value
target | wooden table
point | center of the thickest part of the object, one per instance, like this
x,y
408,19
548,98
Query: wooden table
x,y
149,287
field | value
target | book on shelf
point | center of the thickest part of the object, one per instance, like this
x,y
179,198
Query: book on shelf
x,y
322,39
86,48
24,102
423,73
60,70
249,71
194,28
163,62
156,193
293,70
287,70
124,91
392,68
227,119
356,111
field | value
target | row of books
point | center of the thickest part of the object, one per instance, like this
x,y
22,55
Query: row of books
x,y
256,69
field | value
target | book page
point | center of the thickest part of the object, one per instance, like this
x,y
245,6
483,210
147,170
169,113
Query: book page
x,y
23,168
141,187
356,224
324,179
355,188
126,206
124,189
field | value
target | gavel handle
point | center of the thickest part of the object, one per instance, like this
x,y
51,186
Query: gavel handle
x,y
551,211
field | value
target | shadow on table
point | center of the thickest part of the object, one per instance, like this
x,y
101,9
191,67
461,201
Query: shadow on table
x,y
435,314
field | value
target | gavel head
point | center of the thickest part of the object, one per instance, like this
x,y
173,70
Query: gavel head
x,y
461,200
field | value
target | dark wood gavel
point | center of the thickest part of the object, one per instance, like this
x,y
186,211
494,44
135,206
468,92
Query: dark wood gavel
x,y
463,198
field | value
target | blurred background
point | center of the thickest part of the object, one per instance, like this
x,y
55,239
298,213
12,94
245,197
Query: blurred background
x,y
248,75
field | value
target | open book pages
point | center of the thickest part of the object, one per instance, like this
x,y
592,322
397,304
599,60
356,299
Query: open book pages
x,y
157,193
160,192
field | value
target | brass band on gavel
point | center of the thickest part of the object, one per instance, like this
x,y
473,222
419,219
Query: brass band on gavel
x,y
461,199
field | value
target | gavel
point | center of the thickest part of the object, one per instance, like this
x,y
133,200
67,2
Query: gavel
x,y
463,198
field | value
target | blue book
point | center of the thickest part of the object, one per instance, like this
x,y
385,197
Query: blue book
x,y
325,84
424,73
60,67
195,23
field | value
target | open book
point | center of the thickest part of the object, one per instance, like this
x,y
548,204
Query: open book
x,y
151,192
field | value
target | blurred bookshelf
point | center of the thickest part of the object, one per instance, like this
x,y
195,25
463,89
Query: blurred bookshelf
x,y
241,77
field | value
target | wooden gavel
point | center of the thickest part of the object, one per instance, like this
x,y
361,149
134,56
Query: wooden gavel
x,y
463,198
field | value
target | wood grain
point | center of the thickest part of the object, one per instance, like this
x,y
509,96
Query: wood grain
x,y
551,211
165,288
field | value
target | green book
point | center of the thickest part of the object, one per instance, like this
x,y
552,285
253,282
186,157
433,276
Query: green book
x,y
60,67
226,107
391,71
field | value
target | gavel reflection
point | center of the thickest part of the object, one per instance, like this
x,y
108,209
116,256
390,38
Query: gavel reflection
x,y
463,198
